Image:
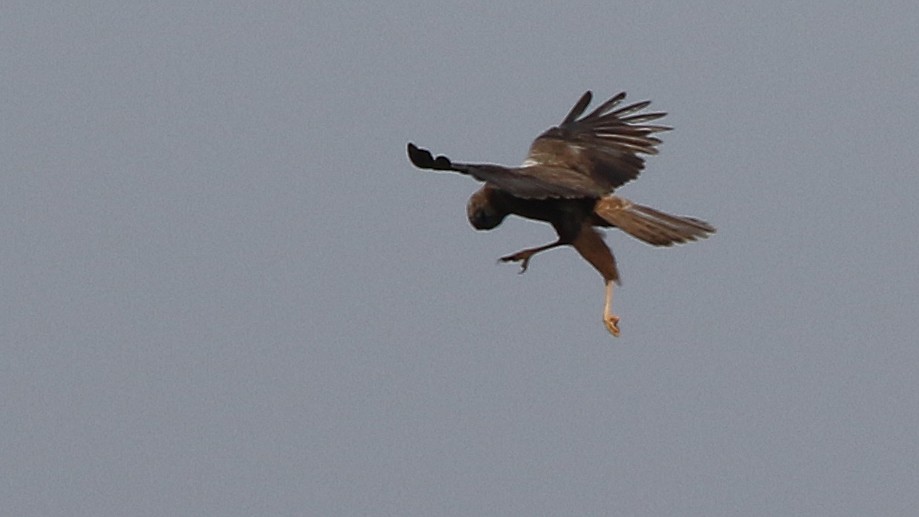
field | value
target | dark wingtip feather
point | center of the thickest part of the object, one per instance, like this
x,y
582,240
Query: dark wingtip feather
x,y
605,107
423,159
631,108
643,117
578,108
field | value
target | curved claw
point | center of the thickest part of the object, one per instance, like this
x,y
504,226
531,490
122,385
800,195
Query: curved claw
x,y
517,257
609,319
524,256
612,324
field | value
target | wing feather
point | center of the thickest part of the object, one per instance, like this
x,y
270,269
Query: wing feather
x,y
604,145
578,108
537,182
581,157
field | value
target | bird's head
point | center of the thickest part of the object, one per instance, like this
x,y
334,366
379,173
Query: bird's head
x,y
484,209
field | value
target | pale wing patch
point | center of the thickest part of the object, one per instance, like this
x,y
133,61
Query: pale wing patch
x,y
529,162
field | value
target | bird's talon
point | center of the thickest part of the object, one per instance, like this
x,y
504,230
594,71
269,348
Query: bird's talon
x,y
612,324
523,266
517,257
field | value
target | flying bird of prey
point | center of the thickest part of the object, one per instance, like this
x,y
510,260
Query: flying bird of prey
x,y
567,179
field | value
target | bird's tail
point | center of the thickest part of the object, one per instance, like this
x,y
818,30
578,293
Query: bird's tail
x,y
650,225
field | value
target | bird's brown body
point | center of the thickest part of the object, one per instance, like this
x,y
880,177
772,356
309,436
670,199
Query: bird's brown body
x,y
567,180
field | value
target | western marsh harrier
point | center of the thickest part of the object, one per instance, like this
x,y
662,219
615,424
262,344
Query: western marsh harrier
x,y
567,179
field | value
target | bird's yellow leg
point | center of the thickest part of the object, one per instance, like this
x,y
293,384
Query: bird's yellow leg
x,y
609,319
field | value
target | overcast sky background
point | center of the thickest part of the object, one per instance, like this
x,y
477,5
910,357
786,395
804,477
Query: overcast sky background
x,y
225,291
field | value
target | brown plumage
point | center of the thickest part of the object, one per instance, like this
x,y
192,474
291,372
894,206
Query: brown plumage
x,y
567,180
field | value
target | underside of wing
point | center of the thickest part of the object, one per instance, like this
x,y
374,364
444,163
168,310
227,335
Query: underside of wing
x,y
537,182
524,182
604,146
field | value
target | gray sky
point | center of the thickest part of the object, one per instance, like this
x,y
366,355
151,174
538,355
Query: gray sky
x,y
225,291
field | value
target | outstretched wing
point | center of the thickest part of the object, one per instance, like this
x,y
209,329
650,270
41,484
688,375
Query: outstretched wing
x,y
586,157
603,146
524,182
